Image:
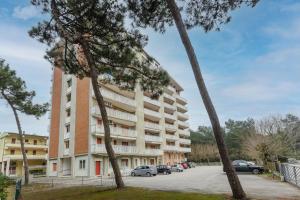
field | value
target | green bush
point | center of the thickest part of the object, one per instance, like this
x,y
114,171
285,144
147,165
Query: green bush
x,y
3,187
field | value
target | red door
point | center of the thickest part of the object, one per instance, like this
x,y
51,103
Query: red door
x,y
98,168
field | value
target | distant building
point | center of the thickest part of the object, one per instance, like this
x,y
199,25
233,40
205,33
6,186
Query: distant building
x,y
11,159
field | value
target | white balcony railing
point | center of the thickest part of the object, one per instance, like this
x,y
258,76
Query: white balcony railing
x,y
117,97
170,148
182,116
114,131
68,120
184,132
153,152
181,107
29,157
120,149
171,89
181,100
68,104
169,116
151,138
183,124
152,101
184,141
69,90
185,149
166,95
116,114
66,152
152,113
67,136
17,144
169,106
152,126
171,137
171,127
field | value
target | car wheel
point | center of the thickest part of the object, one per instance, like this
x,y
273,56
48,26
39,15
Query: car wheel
x,y
132,174
165,172
255,171
148,174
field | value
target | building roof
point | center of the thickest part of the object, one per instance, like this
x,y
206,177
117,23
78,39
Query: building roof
x,y
4,134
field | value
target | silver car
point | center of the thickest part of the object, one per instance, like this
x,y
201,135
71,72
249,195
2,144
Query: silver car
x,y
176,168
145,170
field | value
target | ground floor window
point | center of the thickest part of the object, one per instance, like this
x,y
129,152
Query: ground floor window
x,y
54,167
82,164
124,162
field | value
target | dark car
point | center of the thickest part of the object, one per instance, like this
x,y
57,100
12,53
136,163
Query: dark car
x,y
163,169
244,166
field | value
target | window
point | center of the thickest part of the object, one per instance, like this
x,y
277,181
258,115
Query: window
x,y
68,97
82,164
54,167
99,141
34,152
115,142
35,142
67,144
26,141
68,112
26,151
13,140
68,128
124,162
99,121
69,83
12,152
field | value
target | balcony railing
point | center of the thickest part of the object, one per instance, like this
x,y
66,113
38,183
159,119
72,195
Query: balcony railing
x,y
152,101
17,144
117,97
116,114
169,116
120,149
182,107
114,131
171,127
68,104
153,152
170,148
66,152
151,138
184,132
184,141
152,126
171,89
166,95
29,157
171,137
169,106
182,116
183,124
181,100
69,90
152,113
185,149
67,136
68,120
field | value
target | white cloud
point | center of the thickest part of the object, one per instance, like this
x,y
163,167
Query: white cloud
x,y
289,30
26,12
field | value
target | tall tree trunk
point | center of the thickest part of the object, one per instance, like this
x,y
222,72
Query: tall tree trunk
x,y
21,138
236,187
100,101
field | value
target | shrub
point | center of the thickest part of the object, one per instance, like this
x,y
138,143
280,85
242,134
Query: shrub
x,y
3,187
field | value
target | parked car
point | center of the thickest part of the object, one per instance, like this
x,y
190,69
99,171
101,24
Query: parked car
x,y
244,166
145,170
176,168
184,165
163,169
190,164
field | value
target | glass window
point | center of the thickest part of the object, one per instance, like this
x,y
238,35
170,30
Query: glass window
x,y
34,152
54,167
82,164
13,140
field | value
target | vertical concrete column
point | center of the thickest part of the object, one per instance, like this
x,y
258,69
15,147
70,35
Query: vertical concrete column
x,y
7,167
163,127
139,99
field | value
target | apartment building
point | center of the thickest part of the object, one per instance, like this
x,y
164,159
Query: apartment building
x,y
143,130
11,159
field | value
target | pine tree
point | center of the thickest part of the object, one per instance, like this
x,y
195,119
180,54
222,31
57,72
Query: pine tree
x,y
14,91
95,43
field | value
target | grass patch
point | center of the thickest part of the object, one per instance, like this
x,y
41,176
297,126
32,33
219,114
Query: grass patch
x,y
94,193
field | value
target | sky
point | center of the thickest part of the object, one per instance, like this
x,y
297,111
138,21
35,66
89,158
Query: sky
x,y
251,67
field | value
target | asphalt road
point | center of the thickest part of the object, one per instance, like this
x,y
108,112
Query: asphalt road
x,y
211,179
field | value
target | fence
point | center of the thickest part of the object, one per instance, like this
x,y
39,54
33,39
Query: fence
x,y
291,173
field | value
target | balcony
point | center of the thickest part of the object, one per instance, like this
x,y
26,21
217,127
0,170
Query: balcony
x,y
170,148
171,137
169,98
185,149
152,126
182,117
115,131
66,152
119,149
152,114
184,141
170,89
169,107
170,117
171,127
153,139
181,108
112,113
183,124
28,145
184,132
67,136
29,157
154,152
68,120
151,101
69,90
117,98
181,100
68,104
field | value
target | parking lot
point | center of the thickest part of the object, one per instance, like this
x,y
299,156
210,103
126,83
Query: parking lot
x,y
211,179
